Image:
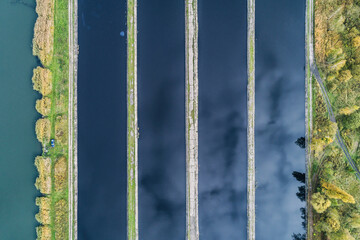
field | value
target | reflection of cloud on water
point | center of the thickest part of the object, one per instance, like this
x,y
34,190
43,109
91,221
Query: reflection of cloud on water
x,y
279,117
280,121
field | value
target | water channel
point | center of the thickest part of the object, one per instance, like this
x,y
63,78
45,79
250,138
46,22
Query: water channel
x,y
161,71
102,120
280,116
18,143
222,119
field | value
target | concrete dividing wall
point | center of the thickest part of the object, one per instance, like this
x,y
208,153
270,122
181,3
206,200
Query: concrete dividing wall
x,y
251,121
192,91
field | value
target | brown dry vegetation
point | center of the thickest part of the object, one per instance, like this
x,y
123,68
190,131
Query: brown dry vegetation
x,y
60,174
43,216
43,181
61,219
43,40
50,44
43,130
42,80
61,125
43,232
43,106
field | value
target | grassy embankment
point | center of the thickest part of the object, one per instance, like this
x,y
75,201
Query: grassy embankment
x,y
335,192
132,125
50,44
308,115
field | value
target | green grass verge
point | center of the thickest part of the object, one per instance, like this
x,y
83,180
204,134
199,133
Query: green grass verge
x,y
132,131
59,107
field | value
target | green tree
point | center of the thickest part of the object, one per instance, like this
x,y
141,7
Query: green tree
x,y
333,219
353,221
351,121
335,192
341,235
320,202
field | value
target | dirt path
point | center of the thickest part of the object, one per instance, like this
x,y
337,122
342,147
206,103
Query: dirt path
x,y
340,140
191,19
312,67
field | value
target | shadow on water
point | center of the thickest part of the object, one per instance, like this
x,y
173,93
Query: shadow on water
x,y
102,120
161,42
222,119
280,115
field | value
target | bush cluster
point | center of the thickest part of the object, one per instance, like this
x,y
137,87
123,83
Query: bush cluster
x,y
60,174
43,181
43,40
44,204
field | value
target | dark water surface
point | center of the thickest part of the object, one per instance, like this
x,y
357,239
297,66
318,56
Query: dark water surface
x,y
280,116
161,42
18,144
102,120
222,119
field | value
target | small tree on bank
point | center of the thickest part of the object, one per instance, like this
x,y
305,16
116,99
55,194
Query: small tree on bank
x,y
43,106
43,130
320,202
42,80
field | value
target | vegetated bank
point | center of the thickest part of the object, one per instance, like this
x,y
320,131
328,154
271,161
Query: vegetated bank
x,y
335,194
51,80
132,124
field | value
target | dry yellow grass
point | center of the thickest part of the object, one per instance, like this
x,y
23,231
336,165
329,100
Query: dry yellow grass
x,y
43,130
43,181
43,41
43,216
42,80
60,172
43,106
43,232
61,219
61,125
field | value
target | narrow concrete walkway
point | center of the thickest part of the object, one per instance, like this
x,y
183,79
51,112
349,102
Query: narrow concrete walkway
x,y
251,181
72,118
191,19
